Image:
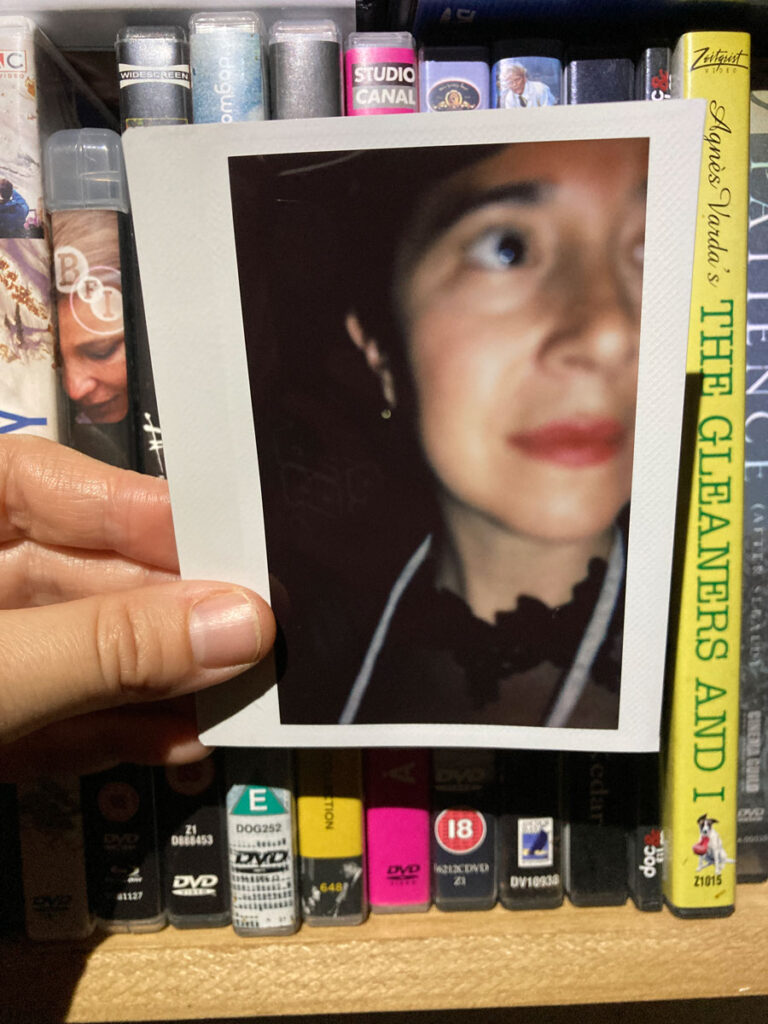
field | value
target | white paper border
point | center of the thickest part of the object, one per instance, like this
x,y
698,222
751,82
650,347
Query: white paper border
x,y
179,185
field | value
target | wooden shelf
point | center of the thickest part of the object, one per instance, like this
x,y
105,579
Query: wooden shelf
x,y
399,962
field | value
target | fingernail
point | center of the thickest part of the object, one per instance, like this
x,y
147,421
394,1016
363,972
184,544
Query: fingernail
x,y
225,630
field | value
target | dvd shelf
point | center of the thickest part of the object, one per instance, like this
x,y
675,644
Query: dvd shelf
x,y
394,962
410,962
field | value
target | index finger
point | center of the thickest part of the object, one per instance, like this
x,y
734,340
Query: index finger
x,y
54,495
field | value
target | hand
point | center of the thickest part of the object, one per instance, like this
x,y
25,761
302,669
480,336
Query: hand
x,y
101,643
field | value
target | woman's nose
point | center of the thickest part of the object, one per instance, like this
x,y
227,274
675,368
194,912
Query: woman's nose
x,y
598,326
77,382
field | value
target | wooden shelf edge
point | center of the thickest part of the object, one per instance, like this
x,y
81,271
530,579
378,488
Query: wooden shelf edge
x,y
404,962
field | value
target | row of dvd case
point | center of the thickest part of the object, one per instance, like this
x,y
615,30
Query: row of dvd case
x,y
268,839
455,86
226,68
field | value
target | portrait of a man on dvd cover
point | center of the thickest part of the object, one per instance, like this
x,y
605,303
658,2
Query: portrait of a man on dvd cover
x,y
517,83
442,347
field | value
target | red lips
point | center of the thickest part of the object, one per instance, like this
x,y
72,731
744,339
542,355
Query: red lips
x,y
572,443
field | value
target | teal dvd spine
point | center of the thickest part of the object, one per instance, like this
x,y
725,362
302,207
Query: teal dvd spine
x,y
226,59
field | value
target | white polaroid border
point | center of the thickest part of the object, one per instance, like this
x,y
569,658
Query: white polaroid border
x,y
179,186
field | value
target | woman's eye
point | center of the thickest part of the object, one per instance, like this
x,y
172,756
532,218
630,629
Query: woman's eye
x,y
103,350
497,249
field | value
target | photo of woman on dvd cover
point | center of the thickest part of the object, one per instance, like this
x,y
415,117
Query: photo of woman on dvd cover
x,y
91,332
443,352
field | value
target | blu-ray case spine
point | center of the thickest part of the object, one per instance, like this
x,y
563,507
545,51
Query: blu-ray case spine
x,y
652,74
228,68
453,78
380,74
154,76
598,80
305,63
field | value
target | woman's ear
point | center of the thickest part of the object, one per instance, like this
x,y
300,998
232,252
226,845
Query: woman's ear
x,y
374,357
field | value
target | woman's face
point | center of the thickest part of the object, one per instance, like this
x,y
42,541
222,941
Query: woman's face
x,y
93,349
522,315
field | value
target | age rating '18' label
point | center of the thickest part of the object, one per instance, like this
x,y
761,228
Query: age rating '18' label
x,y
460,831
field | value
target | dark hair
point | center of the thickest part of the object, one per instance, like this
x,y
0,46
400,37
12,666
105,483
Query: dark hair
x,y
351,212
6,189
367,212
317,236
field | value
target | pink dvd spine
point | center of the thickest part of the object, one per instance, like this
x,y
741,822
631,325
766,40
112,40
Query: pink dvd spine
x,y
397,829
380,80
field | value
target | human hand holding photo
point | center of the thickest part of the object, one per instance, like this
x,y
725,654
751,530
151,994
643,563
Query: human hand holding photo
x,y
101,643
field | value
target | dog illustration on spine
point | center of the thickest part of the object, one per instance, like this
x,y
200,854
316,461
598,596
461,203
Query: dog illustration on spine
x,y
710,847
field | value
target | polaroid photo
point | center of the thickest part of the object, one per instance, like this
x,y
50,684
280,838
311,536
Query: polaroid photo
x,y
420,382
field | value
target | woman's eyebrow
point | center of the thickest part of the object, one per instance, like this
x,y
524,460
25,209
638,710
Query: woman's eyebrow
x,y
442,212
464,202
102,341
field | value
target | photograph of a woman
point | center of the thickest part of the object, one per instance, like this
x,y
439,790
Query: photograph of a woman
x,y
90,314
443,356
91,332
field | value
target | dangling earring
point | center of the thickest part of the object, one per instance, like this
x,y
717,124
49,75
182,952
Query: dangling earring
x,y
387,381
376,360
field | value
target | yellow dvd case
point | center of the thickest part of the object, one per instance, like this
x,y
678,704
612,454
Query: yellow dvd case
x,y
701,750
331,836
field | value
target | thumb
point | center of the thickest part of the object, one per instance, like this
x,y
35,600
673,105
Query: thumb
x,y
144,644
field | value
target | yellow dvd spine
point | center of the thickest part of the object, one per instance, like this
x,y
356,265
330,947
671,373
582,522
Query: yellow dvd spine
x,y
701,749
330,803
